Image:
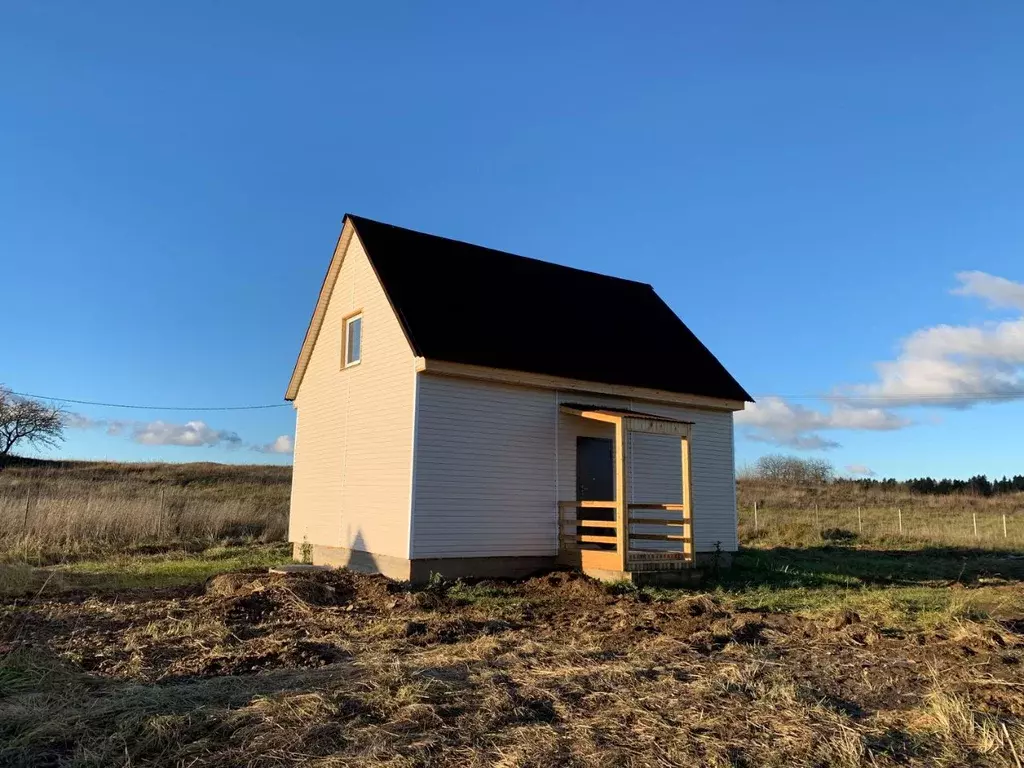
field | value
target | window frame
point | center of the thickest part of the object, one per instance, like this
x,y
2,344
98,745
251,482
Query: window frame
x,y
347,338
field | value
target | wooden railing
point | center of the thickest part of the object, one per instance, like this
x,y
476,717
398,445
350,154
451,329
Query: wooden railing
x,y
569,524
668,528
584,534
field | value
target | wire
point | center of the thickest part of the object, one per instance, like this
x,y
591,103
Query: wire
x,y
872,398
155,407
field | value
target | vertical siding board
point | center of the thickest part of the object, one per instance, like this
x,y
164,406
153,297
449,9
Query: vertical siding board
x,y
351,481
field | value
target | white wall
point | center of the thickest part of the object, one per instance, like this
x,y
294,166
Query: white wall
x,y
493,460
353,440
484,476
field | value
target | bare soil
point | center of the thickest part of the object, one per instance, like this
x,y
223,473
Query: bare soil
x,y
336,668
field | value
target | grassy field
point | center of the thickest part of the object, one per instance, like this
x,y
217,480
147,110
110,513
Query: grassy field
x,y
817,648
816,515
53,511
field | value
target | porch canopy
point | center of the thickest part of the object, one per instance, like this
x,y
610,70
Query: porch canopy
x,y
592,541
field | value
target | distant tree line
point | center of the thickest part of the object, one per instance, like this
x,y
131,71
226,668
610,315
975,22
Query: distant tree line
x,y
791,470
979,485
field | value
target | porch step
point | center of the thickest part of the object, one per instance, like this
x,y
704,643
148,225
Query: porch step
x,y
675,577
658,565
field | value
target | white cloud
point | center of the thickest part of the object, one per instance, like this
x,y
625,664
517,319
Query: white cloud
x,y
74,420
115,427
189,434
956,366
999,291
859,470
282,444
773,420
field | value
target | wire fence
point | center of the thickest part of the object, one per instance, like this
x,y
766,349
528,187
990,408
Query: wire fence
x,y
997,529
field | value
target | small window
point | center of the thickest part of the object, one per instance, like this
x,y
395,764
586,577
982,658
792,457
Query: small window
x,y
353,340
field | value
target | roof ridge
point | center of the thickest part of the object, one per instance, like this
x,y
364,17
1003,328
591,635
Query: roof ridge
x,y
358,218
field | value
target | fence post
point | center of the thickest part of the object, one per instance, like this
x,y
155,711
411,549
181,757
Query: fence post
x,y
1004,525
28,500
975,516
160,517
817,520
860,523
899,513
755,515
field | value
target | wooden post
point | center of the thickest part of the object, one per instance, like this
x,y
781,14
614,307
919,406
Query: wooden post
x,y
160,516
755,515
1004,525
817,520
975,516
621,493
689,547
860,523
28,500
899,512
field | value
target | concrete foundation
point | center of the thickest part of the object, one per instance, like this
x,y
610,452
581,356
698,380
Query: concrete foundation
x,y
481,567
396,568
419,571
711,560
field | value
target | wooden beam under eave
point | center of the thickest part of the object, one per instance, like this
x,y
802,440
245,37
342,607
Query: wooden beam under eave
x,y
546,381
657,426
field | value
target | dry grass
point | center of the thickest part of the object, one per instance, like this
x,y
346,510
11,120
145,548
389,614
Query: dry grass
x,y
812,516
816,649
51,511
344,670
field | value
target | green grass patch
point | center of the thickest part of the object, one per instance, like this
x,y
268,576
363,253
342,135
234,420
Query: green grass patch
x,y
166,569
895,587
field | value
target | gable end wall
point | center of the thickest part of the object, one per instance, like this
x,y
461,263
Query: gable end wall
x,y
353,440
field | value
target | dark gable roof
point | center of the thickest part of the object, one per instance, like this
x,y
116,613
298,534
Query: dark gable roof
x,y
464,303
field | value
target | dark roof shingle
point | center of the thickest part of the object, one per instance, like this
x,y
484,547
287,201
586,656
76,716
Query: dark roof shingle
x,y
464,303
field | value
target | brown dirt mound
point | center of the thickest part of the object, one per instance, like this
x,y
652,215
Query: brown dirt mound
x,y
700,605
292,654
231,584
568,586
280,588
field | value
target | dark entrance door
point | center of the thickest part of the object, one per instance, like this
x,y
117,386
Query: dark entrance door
x,y
595,469
595,475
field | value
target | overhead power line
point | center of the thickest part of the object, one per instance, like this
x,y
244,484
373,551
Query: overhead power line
x,y
919,396
155,407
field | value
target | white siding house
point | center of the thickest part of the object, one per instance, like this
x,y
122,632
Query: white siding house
x,y
417,452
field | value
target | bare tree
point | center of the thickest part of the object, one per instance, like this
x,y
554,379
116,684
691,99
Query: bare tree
x,y
791,470
25,422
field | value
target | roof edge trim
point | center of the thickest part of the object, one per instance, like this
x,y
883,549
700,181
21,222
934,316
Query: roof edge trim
x,y
320,310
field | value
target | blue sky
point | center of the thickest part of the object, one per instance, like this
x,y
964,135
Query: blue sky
x,y
802,182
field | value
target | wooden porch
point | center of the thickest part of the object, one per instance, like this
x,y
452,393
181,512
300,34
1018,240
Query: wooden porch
x,y
617,538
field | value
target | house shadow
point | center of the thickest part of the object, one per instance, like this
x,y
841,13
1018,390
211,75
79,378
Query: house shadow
x,y
357,556
840,566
